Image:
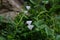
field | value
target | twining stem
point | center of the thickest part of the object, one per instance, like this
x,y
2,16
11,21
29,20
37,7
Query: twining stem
x,y
19,22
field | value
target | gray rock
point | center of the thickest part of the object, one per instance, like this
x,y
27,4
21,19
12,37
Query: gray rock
x,y
10,8
11,14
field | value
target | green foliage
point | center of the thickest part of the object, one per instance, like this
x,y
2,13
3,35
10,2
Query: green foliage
x,y
45,16
2,38
58,37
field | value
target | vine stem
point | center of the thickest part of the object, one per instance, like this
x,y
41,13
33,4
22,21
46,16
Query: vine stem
x,y
18,24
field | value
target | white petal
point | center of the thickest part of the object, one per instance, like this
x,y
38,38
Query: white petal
x,y
28,22
30,27
28,7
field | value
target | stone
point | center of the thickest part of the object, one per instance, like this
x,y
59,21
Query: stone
x,y
10,8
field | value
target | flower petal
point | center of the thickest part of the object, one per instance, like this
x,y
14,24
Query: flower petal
x,y
30,27
28,7
28,22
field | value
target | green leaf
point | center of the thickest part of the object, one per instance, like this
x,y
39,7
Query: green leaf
x,y
49,31
35,1
58,37
57,17
45,1
41,27
2,38
38,23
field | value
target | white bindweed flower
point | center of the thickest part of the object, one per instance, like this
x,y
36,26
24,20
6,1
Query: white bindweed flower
x,y
25,12
28,7
30,27
29,22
